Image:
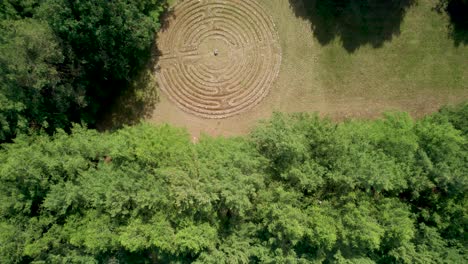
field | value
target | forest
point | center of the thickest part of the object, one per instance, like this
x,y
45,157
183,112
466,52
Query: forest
x,y
300,188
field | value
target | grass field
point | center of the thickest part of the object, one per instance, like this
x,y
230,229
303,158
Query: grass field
x,y
356,66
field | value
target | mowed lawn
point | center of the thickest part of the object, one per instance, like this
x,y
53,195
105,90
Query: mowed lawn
x,y
420,58
355,64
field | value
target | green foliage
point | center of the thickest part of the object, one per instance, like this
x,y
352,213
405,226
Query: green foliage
x,y
456,115
15,9
108,36
66,61
300,189
107,42
32,93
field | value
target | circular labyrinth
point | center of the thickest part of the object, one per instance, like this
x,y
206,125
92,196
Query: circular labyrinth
x,y
218,57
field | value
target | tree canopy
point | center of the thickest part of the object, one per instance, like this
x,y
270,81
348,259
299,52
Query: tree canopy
x,y
64,61
299,189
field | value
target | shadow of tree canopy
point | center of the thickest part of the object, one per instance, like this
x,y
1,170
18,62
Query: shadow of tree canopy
x,y
166,18
458,12
136,102
355,22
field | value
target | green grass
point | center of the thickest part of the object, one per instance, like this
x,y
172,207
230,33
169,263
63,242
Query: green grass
x,y
422,57
404,61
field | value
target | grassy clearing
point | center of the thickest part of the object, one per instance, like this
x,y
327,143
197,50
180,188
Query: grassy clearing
x,y
421,58
406,63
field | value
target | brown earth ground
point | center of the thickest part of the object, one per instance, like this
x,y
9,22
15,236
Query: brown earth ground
x,y
417,70
218,58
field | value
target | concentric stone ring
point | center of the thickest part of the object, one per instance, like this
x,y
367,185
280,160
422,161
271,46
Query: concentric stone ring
x,y
218,58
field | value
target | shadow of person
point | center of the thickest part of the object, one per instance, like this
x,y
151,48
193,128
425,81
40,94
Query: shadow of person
x,y
355,22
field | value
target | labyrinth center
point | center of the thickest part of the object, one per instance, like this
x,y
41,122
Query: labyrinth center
x,y
218,58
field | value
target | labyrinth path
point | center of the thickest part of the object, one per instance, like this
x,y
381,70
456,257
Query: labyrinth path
x,y
218,57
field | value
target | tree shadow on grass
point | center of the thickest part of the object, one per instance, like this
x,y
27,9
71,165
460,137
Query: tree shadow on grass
x,y
458,12
355,22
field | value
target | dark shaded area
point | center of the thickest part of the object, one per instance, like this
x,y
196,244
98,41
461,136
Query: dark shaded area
x,y
458,12
166,18
355,22
138,100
